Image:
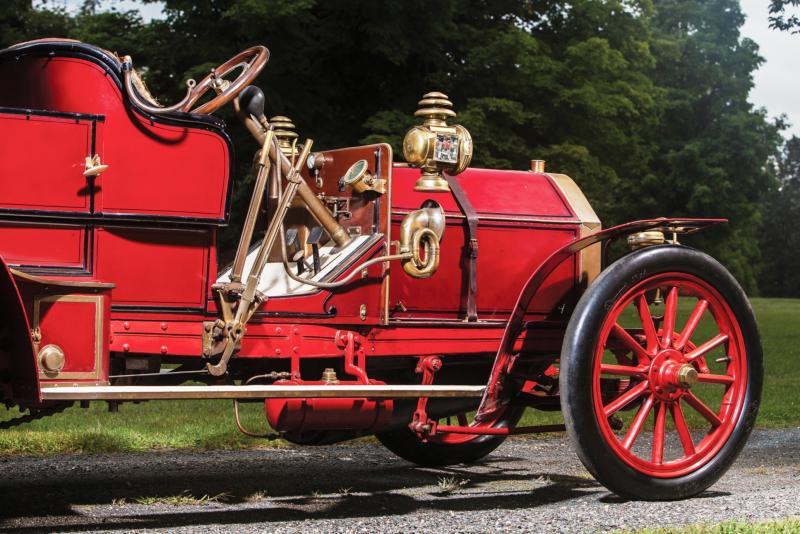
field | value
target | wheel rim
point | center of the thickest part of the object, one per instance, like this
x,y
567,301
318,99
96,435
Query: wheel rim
x,y
645,366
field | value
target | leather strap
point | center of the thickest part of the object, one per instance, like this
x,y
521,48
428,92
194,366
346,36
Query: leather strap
x,y
472,248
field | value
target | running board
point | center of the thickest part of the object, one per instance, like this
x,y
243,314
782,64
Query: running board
x,y
131,393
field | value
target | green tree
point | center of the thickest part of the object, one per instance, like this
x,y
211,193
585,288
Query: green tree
x,y
643,102
19,21
780,244
780,18
713,145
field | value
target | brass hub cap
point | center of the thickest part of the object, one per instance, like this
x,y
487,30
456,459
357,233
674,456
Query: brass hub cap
x,y
687,376
670,375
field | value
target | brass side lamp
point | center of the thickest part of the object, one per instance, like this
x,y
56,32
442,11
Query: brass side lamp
x,y
435,146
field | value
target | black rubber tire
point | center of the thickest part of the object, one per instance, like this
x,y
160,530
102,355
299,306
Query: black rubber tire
x,y
576,373
405,444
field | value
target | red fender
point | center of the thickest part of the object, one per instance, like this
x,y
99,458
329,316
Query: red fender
x,y
504,359
19,377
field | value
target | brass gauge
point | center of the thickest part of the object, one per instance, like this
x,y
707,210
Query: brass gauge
x,y
359,178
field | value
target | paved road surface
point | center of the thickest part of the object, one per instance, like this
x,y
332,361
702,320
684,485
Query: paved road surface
x,y
526,485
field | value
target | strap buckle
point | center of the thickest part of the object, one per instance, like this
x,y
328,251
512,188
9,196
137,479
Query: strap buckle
x,y
473,248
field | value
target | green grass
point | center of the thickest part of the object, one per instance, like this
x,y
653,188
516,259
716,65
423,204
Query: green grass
x,y
136,427
782,526
779,323
209,424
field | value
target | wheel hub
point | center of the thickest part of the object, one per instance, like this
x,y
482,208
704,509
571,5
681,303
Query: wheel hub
x,y
670,375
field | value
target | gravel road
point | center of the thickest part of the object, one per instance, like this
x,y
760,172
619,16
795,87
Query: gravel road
x,y
526,485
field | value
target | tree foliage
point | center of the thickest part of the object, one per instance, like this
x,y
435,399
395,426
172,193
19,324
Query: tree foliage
x,y
781,17
643,102
780,244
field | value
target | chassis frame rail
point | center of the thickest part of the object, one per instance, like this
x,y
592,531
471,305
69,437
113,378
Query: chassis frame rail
x,y
126,393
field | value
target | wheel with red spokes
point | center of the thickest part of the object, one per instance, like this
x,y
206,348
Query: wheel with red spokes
x,y
661,373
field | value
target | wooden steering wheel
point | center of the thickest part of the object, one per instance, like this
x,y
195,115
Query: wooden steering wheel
x,y
250,61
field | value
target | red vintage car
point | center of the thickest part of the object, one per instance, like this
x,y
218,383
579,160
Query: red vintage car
x,y
421,301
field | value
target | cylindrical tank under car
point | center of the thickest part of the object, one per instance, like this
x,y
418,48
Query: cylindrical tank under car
x,y
299,415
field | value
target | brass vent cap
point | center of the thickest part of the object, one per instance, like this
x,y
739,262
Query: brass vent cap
x,y
286,135
435,108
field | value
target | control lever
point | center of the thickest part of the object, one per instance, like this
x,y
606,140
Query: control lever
x,y
314,237
299,258
251,298
291,238
252,100
293,243
251,107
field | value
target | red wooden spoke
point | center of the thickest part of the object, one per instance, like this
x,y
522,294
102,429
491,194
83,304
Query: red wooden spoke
x,y
715,379
691,324
647,324
632,344
638,423
680,427
658,433
706,347
670,313
625,370
625,399
702,409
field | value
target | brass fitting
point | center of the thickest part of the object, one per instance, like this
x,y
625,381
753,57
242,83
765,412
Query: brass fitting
x,y
361,180
286,135
51,359
420,233
646,239
435,146
687,376
329,376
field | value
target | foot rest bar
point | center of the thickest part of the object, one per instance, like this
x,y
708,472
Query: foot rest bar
x,y
124,393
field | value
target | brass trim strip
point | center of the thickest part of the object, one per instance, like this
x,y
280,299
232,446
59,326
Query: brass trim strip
x,y
60,283
387,271
122,393
571,221
577,200
590,258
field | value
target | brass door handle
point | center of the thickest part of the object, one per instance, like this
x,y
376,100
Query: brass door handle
x,y
94,167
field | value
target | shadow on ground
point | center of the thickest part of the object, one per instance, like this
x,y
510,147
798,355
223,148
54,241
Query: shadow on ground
x,y
295,486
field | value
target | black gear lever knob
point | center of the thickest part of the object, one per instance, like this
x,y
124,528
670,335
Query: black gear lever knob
x,y
251,100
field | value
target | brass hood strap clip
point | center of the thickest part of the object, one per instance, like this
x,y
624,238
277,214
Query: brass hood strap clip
x,y
472,234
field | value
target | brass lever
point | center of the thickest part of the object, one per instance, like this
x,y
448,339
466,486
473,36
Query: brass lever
x,y
251,298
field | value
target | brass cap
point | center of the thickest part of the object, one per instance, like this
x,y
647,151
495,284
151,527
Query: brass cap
x,y
51,358
285,134
687,376
435,108
329,376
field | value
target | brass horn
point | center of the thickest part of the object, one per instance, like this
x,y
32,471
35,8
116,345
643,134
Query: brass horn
x,y
420,233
